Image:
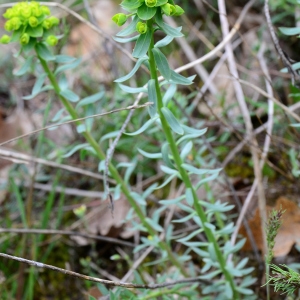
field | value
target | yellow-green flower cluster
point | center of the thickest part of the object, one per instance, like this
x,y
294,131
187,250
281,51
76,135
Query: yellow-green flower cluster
x,y
28,20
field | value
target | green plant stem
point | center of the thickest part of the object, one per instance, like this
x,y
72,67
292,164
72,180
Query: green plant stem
x,y
184,175
115,174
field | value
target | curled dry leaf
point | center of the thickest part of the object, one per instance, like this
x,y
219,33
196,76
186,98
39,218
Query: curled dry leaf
x,y
288,234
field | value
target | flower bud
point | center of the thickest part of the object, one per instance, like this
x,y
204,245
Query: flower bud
x,y
26,12
36,11
47,24
52,40
151,3
24,40
54,21
178,11
8,26
33,21
168,9
5,39
119,19
9,13
45,10
15,23
141,27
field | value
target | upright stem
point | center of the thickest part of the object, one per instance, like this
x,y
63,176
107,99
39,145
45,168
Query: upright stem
x,y
178,161
115,174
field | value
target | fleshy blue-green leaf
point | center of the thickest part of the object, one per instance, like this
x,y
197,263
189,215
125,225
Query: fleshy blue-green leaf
x,y
129,29
196,171
168,170
64,59
189,196
152,98
162,63
186,150
25,67
173,32
165,155
90,99
132,90
133,71
69,95
126,40
144,127
179,79
150,155
142,45
38,84
169,179
58,115
146,13
172,121
44,52
70,66
165,41
75,149
156,226
290,31
169,94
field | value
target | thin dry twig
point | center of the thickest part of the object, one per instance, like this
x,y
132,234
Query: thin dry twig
x,y
294,74
67,232
25,158
103,281
246,116
132,107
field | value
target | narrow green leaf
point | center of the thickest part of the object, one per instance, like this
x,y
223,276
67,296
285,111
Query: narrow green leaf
x,y
44,52
179,79
196,171
75,149
155,225
290,31
165,27
168,170
142,45
144,127
91,99
169,94
169,179
162,63
64,59
70,66
129,29
165,41
189,196
152,98
150,155
58,115
186,150
172,121
145,12
132,90
133,71
69,95
165,155
38,84
25,67
127,40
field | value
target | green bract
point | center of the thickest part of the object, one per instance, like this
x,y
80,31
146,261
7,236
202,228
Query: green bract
x,y
119,19
31,20
141,27
52,40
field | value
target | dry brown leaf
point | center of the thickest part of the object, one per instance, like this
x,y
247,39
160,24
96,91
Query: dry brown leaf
x,y
288,234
